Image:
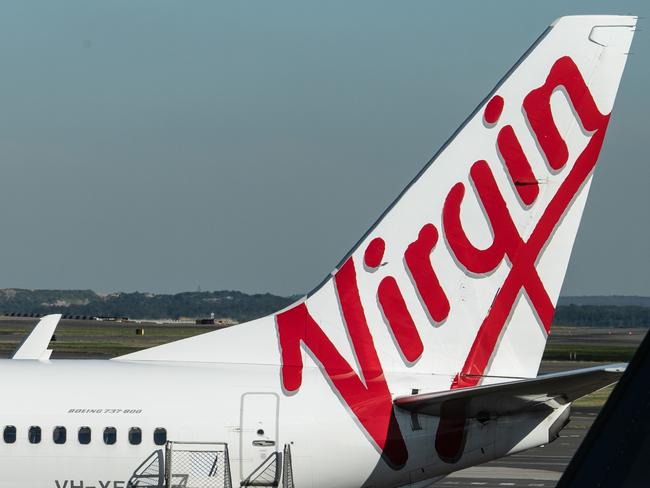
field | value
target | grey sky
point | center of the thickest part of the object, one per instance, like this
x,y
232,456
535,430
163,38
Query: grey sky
x,y
160,146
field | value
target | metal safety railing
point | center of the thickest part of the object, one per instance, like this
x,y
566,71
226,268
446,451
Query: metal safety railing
x,y
207,465
287,468
266,474
151,473
197,465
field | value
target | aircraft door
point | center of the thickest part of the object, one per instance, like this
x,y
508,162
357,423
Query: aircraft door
x,y
259,430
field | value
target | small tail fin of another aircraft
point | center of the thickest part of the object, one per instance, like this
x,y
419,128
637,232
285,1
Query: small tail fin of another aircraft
x,y
461,274
35,344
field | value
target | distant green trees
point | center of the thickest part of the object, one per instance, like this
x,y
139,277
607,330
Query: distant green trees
x,y
242,307
234,304
603,316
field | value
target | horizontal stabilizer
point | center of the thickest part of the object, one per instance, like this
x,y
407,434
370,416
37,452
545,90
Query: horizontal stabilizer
x,y
514,396
35,344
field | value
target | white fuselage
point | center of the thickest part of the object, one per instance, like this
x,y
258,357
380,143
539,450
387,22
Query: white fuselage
x,y
206,403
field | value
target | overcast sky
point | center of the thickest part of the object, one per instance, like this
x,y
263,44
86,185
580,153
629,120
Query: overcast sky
x,y
164,146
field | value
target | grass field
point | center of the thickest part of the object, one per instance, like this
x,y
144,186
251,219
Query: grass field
x,y
596,399
94,339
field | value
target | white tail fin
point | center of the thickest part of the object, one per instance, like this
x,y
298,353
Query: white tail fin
x,y
35,344
461,274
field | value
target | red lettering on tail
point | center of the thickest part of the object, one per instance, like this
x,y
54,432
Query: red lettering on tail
x,y
537,104
418,262
516,162
368,396
507,241
399,319
369,399
374,253
493,110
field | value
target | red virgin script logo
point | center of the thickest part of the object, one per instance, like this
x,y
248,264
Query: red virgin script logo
x,y
369,398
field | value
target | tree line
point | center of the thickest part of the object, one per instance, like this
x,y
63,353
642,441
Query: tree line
x,y
242,307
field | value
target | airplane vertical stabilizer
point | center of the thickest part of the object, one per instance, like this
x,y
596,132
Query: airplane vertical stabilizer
x,y
461,274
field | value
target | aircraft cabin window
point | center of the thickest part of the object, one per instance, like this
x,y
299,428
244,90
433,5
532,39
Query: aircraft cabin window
x,y
59,435
110,435
34,434
160,436
84,435
9,434
135,435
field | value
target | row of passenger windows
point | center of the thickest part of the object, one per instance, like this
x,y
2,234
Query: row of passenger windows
x,y
84,435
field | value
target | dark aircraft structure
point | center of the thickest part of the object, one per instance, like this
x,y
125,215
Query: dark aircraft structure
x,y
616,450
